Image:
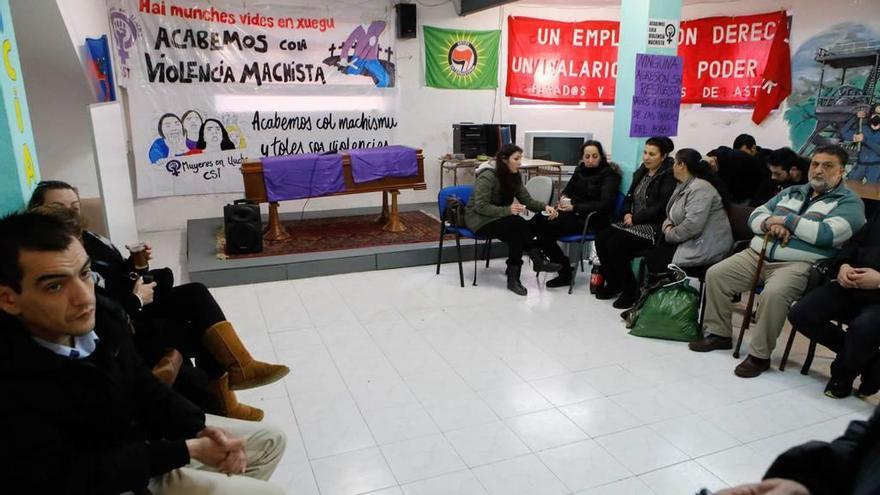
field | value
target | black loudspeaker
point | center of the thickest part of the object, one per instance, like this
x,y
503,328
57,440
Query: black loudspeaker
x,y
497,135
244,227
406,20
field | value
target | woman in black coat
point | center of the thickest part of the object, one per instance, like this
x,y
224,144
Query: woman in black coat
x,y
644,212
184,317
592,189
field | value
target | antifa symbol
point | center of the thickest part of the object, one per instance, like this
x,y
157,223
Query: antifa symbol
x,y
173,166
124,32
462,58
670,32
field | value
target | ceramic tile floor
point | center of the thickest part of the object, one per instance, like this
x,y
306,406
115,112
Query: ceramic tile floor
x,y
405,383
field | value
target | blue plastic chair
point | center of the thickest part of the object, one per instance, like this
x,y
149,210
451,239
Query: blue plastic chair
x,y
586,237
463,193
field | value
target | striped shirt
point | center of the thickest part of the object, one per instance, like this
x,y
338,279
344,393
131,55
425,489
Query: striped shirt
x,y
819,225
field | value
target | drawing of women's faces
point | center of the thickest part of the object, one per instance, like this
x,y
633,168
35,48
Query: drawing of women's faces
x,y
192,122
171,127
172,132
234,135
213,136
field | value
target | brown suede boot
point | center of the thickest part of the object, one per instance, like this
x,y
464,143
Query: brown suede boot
x,y
168,367
244,371
229,405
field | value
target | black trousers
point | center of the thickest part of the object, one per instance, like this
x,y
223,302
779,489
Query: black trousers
x,y
659,258
513,230
548,231
193,383
178,319
190,302
616,250
857,348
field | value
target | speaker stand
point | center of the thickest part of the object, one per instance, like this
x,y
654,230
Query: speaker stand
x,y
275,231
394,224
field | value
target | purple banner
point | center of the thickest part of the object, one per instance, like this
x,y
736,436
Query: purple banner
x,y
657,96
302,176
377,163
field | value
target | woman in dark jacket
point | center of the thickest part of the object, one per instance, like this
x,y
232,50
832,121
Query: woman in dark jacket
x,y
592,189
644,212
184,317
493,213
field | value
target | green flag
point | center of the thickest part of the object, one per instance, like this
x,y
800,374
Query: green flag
x,y
459,59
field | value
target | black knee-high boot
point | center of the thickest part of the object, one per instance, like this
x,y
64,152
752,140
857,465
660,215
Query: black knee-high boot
x,y
513,283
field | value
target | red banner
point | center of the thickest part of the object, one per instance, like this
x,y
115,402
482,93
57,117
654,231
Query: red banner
x,y
561,61
724,59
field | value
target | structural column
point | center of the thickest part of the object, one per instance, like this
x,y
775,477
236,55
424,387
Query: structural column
x,y
19,172
635,16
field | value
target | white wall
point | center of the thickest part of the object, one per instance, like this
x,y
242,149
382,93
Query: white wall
x,y
58,94
429,113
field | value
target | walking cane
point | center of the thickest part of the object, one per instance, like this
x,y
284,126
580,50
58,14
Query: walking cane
x,y
747,319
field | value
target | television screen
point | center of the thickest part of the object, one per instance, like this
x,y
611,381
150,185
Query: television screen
x,y
566,150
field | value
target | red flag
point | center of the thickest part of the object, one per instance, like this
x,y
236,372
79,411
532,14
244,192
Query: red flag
x,y
776,85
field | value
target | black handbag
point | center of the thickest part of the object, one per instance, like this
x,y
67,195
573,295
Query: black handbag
x,y
454,214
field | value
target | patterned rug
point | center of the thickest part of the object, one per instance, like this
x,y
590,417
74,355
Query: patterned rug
x,y
333,234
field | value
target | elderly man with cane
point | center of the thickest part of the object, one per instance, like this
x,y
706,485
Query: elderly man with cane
x,y
803,224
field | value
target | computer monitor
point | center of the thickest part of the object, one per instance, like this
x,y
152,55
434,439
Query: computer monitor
x,y
556,146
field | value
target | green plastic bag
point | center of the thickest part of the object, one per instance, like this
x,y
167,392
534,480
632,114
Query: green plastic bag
x,y
669,313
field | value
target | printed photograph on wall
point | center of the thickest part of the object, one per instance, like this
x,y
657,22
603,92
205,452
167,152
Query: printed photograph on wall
x,y
835,97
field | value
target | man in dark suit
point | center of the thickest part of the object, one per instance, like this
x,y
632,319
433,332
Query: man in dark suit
x,y
184,317
852,297
84,414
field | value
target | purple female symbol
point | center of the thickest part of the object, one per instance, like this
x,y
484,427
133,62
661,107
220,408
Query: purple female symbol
x,y
124,32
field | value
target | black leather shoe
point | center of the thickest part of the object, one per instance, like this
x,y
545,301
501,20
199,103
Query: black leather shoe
x,y
625,301
540,263
751,367
711,342
838,389
561,280
604,293
866,389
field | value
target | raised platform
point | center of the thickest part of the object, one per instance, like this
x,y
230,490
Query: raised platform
x,y
204,266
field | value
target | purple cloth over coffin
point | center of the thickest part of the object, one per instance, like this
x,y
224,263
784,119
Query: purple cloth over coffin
x,y
302,176
377,163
